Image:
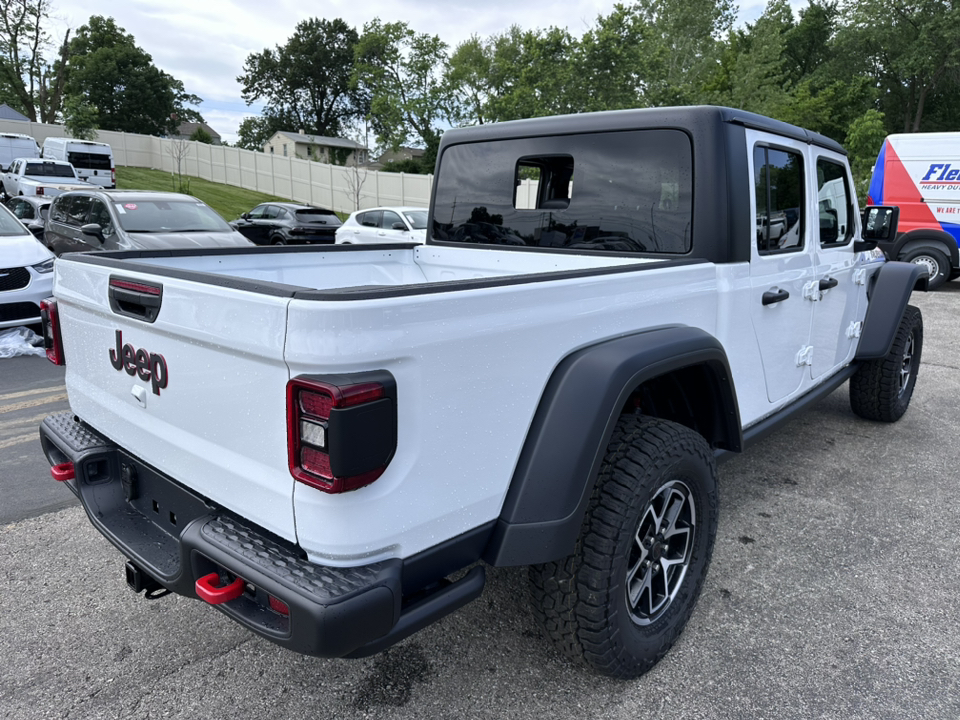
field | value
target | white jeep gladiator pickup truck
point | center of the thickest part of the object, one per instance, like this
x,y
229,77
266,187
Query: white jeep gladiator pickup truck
x,y
33,176
328,443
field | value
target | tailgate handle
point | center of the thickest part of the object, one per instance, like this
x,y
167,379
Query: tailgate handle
x,y
209,590
134,298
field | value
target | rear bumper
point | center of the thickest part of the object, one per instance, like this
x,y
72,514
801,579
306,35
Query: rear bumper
x,y
177,537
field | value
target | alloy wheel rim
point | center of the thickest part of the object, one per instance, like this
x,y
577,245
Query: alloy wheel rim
x,y
930,263
906,365
661,552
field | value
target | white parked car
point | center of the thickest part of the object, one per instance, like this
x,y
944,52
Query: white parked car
x,y
384,225
26,273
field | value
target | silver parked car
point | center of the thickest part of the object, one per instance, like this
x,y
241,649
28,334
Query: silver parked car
x,y
134,220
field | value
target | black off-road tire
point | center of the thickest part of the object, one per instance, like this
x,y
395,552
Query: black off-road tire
x,y
581,602
934,260
881,389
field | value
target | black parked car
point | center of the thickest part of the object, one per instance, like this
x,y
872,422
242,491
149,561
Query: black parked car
x,y
32,211
281,223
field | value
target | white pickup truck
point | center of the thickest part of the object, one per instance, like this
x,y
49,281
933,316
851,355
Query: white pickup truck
x,y
328,443
33,176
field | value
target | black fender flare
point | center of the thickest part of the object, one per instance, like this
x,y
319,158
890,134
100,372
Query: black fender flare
x,y
560,459
890,292
927,237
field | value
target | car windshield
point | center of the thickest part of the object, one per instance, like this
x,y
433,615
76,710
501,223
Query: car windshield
x,y
318,215
50,170
9,225
165,216
416,218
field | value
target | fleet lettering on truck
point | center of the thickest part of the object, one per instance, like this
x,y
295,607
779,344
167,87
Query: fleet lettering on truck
x,y
946,174
146,366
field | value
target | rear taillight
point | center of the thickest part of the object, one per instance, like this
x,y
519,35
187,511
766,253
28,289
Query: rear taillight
x,y
113,176
39,191
342,430
52,340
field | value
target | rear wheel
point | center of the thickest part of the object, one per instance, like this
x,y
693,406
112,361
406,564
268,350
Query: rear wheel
x,y
620,601
934,261
277,241
881,389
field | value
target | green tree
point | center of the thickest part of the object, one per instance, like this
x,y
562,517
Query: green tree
x,y
402,72
202,136
864,139
80,118
307,81
468,81
110,72
912,49
32,69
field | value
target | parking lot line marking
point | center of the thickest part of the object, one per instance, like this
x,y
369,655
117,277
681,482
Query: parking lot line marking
x,y
33,403
27,393
17,423
10,442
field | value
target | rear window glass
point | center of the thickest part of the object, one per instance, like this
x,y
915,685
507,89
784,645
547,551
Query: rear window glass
x,y
318,215
49,170
416,218
614,192
89,161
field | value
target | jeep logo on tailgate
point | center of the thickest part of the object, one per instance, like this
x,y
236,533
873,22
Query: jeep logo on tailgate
x,y
146,366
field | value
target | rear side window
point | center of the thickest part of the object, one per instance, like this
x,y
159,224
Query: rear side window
x,y
609,192
778,186
369,219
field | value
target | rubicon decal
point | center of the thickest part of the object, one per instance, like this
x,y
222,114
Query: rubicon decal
x,y
146,366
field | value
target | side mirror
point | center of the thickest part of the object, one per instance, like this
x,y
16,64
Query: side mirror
x,y
44,212
399,226
879,225
245,216
93,230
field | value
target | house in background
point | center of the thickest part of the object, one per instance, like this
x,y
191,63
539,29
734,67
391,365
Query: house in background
x,y
187,129
402,153
8,113
317,148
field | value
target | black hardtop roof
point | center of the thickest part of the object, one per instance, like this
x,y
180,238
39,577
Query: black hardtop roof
x,y
667,117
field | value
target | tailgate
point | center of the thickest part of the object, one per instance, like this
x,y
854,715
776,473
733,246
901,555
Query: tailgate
x,y
217,421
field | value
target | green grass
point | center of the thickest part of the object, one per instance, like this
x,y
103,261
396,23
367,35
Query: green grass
x,y
227,200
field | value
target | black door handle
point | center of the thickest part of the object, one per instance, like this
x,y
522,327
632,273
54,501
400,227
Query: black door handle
x,y
827,283
770,297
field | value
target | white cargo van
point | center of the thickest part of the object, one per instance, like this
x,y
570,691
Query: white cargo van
x,y
16,145
93,161
920,174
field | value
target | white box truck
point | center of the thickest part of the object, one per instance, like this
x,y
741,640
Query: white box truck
x,y
93,161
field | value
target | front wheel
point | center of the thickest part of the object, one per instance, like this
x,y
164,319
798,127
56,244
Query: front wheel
x,y
881,389
622,599
934,261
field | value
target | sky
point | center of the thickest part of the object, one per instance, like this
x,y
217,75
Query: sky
x,y
205,43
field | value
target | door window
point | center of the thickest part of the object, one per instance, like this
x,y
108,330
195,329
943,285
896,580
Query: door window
x,y
77,210
270,212
24,210
778,185
101,216
389,219
834,201
257,212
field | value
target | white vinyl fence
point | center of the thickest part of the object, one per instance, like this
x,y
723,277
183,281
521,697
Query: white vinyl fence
x,y
332,186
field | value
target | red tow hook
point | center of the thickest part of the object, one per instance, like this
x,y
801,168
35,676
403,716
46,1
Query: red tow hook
x,y
209,590
63,472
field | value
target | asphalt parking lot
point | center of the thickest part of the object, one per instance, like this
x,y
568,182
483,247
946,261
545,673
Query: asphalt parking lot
x,y
834,593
